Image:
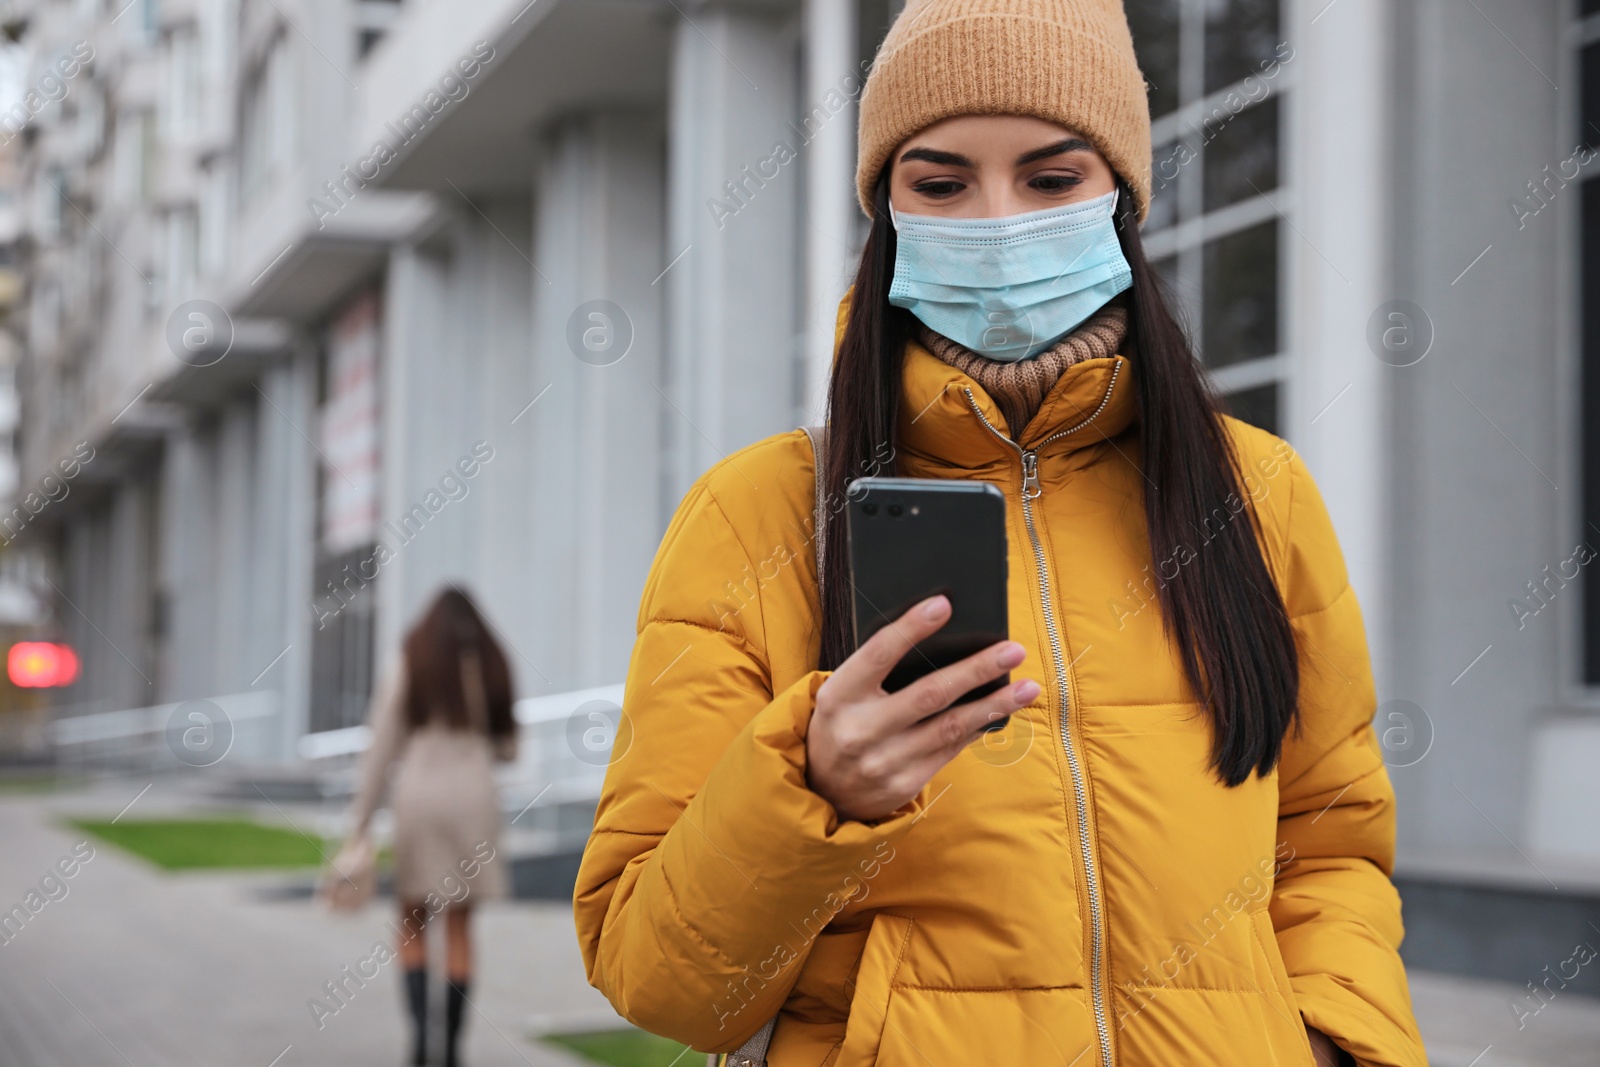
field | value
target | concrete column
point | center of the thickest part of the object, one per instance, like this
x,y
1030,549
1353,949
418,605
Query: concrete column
x,y
279,657
236,543
414,337
505,576
121,610
458,377
735,366
596,434
1336,275
833,81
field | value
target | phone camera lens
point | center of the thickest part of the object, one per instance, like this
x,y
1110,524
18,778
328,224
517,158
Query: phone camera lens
x,y
869,509
894,511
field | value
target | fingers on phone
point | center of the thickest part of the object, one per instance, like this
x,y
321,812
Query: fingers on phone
x,y
941,688
870,664
981,715
955,728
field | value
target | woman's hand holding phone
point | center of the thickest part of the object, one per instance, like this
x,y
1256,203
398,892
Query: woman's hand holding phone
x,y
868,751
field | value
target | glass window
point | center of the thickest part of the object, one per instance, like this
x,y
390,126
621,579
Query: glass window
x,y
1589,327
1182,300
1257,406
1239,313
181,109
142,27
1589,102
182,253
374,19
1218,155
1155,39
1167,164
51,208
1241,39
268,132
135,156
1242,156
215,212
341,644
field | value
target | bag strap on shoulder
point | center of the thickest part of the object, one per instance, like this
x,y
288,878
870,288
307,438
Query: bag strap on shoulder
x,y
819,520
753,1053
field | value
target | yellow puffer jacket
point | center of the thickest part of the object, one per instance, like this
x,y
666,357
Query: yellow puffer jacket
x,y
1078,890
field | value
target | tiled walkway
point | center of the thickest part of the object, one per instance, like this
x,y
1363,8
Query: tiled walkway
x,y
135,968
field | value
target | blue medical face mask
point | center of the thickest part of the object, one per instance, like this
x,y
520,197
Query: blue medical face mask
x,y
1009,288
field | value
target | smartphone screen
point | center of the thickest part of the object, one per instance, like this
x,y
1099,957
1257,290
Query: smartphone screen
x,y
912,538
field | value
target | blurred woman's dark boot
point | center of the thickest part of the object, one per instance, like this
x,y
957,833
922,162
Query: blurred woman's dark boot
x,y
454,1005
417,1001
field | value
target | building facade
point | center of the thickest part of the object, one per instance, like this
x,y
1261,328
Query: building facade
x,y
351,299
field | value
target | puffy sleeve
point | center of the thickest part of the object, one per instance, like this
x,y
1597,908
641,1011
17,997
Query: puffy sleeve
x,y
710,856
1334,909
386,720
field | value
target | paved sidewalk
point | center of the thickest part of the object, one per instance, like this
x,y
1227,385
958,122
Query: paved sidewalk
x,y
1469,1023
135,968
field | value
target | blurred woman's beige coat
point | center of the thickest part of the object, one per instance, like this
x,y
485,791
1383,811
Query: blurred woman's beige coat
x,y
446,808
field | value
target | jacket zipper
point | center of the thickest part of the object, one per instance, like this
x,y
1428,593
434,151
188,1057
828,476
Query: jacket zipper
x,y
1031,490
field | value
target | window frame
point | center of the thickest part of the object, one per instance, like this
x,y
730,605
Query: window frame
x,y
269,117
1185,240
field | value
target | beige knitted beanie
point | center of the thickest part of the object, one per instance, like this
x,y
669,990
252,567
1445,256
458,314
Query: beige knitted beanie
x,y
1067,61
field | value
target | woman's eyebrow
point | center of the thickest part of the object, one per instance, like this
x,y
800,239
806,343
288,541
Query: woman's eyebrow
x,y
934,155
1071,144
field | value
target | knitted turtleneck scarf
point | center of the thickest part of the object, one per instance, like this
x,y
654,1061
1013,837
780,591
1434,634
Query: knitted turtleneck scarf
x,y
1019,388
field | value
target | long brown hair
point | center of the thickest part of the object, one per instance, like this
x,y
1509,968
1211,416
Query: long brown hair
x,y
451,635
1222,609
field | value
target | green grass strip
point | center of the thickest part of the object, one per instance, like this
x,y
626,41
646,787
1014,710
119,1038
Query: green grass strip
x,y
210,844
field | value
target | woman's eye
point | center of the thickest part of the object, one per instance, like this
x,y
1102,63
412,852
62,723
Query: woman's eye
x,y
938,189
1054,183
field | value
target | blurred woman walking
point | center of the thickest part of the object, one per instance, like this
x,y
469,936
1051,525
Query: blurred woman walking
x,y
441,715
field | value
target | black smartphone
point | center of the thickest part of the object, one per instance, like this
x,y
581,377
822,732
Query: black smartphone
x,y
913,538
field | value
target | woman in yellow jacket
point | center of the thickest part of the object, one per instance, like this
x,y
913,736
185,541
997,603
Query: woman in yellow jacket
x,y
1178,850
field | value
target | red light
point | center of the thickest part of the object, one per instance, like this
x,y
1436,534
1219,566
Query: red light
x,y
41,665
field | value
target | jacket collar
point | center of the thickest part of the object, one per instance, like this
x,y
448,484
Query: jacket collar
x,y
1093,401
940,409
